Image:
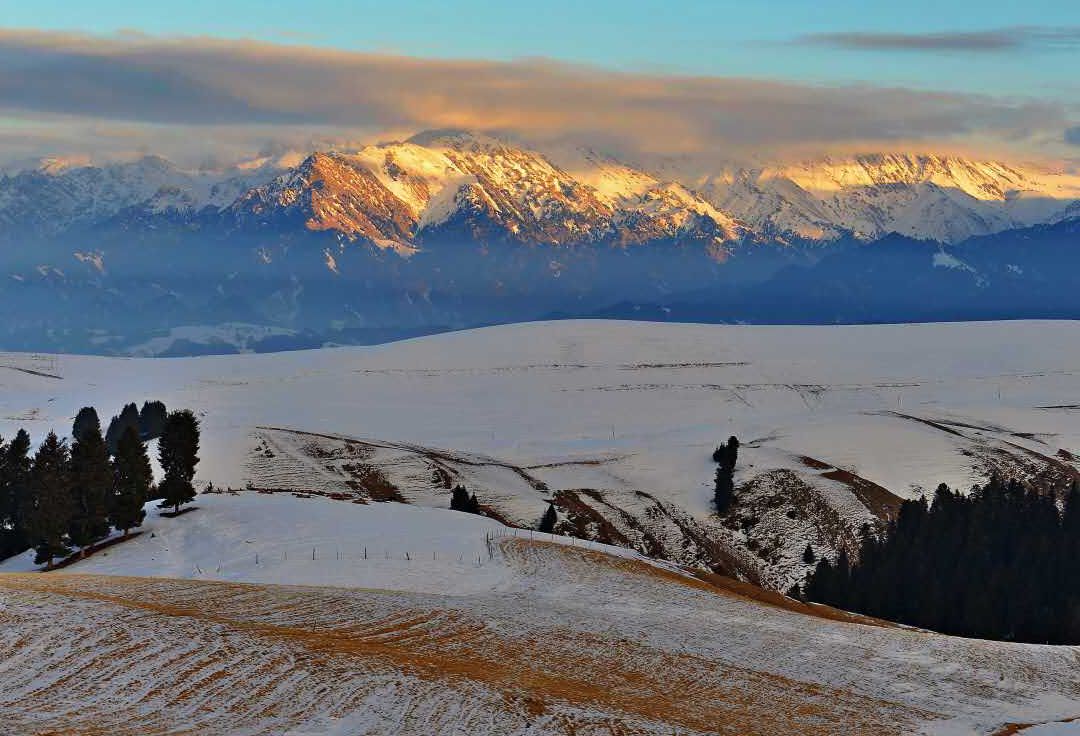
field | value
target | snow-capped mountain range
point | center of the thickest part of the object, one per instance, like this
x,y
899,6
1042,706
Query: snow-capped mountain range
x,y
392,193
451,229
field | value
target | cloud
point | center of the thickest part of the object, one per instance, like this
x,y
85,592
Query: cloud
x,y
993,40
243,93
1072,135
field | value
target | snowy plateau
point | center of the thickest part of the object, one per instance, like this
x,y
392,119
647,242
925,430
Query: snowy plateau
x,y
333,592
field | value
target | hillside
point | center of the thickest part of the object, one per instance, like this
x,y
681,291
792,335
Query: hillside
x,y
535,638
615,422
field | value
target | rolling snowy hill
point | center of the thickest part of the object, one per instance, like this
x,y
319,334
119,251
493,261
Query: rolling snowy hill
x,y
615,422
182,629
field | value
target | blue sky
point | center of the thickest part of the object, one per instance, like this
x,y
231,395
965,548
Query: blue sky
x,y
710,38
713,78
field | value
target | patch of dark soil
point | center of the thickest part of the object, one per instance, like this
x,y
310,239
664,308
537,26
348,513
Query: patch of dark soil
x,y
1011,729
585,522
880,501
814,463
370,480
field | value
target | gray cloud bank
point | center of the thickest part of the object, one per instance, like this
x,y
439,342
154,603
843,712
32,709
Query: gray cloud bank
x,y
135,90
993,40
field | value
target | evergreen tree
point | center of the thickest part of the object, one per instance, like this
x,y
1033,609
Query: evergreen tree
x,y
727,454
48,514
459,499
732,455
178,450
152,418
723,489
91,481
86,419
132,478
128,417
808,555
547,522
7,507
14,494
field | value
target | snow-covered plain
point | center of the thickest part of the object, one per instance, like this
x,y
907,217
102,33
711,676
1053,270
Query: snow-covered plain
x,y
534,638
620,417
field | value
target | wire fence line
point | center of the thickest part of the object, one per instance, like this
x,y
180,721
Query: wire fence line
x,y
274,555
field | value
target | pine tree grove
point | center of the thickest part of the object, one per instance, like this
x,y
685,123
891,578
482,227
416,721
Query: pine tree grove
x,y
60,498
999,563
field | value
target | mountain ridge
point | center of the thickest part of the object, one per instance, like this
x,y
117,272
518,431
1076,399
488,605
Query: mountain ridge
x,y
400,237
581,196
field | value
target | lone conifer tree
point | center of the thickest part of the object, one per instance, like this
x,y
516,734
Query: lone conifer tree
x,y
178,452
49,512
547,522
91,481
732,452
808,555
723,489
132,477
727,454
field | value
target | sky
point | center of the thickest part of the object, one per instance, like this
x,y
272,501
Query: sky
x,y
987,75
